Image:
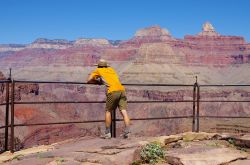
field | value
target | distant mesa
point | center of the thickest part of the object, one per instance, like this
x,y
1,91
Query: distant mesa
x,y
48,41
208,30
92,41
153,31
50,44
11,47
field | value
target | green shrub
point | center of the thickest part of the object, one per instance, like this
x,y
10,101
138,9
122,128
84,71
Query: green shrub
x,y
152,153
231,141
137,162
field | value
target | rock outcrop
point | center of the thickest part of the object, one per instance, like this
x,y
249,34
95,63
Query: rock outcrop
x,y
148,35
153,31
208,30
211,48
205,149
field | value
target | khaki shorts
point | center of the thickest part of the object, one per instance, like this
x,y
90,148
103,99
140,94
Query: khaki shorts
x,y
116,99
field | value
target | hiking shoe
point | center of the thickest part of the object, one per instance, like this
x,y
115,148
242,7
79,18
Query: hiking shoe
x,y
106,136
126,134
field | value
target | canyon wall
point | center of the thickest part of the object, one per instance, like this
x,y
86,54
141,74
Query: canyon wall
x,y
151,56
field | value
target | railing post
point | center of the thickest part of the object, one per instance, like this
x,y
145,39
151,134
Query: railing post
x,y
12,116
194,102
7,97
113,123
10,74
198,108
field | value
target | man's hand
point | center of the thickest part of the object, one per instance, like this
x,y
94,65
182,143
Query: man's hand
x,y
96,80
99,80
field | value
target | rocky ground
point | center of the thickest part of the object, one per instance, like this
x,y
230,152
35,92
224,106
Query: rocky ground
x,y
181,149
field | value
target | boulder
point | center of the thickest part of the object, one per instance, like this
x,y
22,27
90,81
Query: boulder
x,y
164,140
191,136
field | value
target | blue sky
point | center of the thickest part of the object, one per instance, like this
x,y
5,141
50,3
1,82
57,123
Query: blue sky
x,y
22,21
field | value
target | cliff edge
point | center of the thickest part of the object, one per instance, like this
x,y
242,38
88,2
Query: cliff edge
x,y
181,149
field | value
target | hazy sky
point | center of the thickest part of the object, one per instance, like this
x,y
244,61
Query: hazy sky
x,y
22,21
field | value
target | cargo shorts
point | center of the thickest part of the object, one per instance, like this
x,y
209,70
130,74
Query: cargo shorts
x,y
116,99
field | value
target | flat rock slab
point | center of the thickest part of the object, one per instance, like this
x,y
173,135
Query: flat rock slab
x,y
192,149
80,151
240,162
7,156
203,155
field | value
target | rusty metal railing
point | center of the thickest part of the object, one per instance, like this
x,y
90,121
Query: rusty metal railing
x,y
6,104
10,100
222,101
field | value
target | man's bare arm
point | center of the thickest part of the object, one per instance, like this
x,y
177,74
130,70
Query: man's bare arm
x,y
91,80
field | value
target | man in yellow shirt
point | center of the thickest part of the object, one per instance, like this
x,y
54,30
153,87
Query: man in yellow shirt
x,y
116,96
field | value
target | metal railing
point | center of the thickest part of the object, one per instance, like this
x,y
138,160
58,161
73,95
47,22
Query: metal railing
x,y
6,104
221,101
10,102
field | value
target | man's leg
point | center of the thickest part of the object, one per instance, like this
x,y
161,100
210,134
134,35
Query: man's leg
x,y
122,107
110,106
125,117
107,121
107,134
126,120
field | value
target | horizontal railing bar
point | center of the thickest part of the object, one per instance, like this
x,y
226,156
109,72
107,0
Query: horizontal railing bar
x,y
82,102
68,82
227,101
162,118
59,102
225,85
248,117
2,127
154,118
50,82
177,85
4,81
95,121
2,104
161,101
56,123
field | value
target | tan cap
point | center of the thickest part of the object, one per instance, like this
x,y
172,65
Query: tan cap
x,y
102,63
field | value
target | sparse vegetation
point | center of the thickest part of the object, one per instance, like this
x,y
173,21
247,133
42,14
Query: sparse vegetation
x,y
151,153
60,160
213,144
137,162
231,141
18,157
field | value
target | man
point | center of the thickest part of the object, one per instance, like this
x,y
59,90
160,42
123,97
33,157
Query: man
x,y
116,96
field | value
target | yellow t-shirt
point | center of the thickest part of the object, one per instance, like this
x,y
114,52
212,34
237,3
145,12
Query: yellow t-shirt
x,y
110,77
